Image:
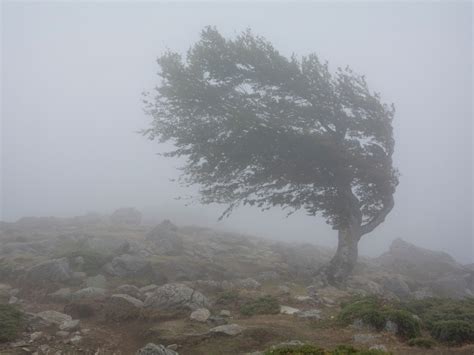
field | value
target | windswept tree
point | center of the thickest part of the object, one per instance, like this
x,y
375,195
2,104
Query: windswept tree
x,y
260,129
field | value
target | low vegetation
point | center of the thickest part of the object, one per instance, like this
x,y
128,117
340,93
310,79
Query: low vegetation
x,y
448,321
93,260
11,322
312,350
262,305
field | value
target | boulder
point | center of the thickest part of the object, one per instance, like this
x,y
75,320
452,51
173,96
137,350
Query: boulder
x,y
83,308
166,239
130,290
126,216
176,297
70,325
153,349
54,317
127,265
397,286
90,293
121,307
227,329
98,281
56,270
200,315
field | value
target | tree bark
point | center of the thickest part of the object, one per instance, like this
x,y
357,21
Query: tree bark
x,y
343,262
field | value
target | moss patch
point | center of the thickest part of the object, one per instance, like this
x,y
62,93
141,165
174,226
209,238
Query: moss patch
x,y
11,322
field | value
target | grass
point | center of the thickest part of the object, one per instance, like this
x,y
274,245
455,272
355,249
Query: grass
x,y
11,322
262,305
312,350
453,332
426,343
93,260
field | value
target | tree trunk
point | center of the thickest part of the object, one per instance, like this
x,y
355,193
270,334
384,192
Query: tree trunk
x,y
343,262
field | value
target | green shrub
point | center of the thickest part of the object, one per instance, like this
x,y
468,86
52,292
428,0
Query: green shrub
x,y
367,309
228,297
422,343
262,305
11,322
454,332
433,310
312,350
408,326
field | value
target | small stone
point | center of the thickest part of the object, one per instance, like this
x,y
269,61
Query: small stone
x,y
173,346
303,298
35,336
309,314
288,310
153,349
364,338
227,329
225,313
54,317
379,347
76,339
200,315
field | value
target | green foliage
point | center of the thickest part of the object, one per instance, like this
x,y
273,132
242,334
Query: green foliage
x,y
11,322
426,343
456,332
261,129
262,305
312,350
432,310
367,309
408,326
374,312
230,297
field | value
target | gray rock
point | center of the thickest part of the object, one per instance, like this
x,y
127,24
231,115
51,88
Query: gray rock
x,y
288,310
176,297
309,314
13,300
130,290
122,307
200,315
56,270
422,294
215,320
365,338
148,288
54,317
379,347
128,265
126,216
225,313
61,295
451,286
62,334
284,290
166,239
70,325
227,329
153,349
98,281
397,286
90,293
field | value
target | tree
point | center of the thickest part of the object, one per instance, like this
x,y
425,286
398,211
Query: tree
x,y
257,128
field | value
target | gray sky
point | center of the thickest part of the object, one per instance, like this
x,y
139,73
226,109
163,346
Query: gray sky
x,y
73,73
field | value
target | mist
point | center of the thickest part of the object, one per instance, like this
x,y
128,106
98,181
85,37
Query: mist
x,y
73,75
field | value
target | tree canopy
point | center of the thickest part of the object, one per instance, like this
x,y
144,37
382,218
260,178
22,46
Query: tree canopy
x,y
258,128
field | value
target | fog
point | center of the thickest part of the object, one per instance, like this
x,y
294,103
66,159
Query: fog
x,y
73,74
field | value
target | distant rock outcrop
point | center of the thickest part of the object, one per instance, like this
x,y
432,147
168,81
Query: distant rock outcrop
x,y
166,239
126,216
176,297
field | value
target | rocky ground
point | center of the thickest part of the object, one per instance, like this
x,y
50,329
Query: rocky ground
x,y
110,285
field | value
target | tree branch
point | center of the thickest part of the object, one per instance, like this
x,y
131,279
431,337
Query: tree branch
x,y
372,224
